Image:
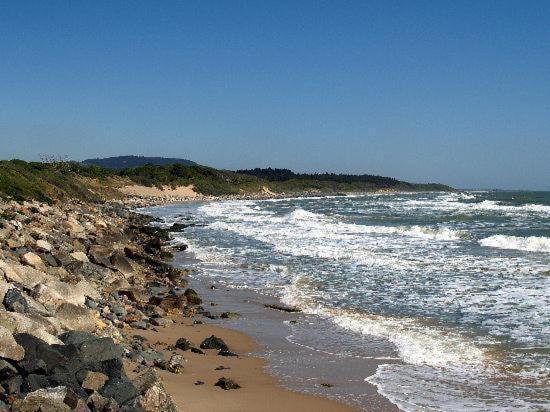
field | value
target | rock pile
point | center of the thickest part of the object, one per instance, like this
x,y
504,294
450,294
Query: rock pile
x,y
75,278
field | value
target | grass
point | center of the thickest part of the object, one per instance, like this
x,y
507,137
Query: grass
x,y
47,182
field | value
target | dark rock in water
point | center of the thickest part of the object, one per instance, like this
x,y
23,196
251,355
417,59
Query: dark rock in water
x,y
227,384
282,308
226,353
230,315
198,351
183,344
208,314
192,297
14,301
213,342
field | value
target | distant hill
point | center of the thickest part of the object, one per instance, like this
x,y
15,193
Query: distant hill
x,y
131,162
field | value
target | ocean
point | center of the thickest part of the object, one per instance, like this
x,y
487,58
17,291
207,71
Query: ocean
x,y
455,285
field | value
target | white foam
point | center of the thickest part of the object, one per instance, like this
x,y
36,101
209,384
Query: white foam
x,y
530,243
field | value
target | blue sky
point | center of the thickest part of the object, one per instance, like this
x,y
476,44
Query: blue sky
x,y
448,91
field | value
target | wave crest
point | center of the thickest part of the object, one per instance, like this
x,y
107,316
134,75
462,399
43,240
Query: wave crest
x,y
530,243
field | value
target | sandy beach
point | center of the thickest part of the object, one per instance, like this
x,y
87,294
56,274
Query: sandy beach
x,y
259,390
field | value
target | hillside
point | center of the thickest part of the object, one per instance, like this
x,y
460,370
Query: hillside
x,y
129,162
64,180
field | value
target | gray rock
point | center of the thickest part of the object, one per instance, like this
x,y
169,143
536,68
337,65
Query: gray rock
x,y
154,397
14,301
43,400
227,384
214,342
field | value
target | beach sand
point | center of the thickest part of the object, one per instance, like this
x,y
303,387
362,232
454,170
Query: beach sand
x,y
259,390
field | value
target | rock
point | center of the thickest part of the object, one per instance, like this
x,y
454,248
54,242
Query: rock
x,y
159,321
282,308
33,260
213,342
227,384
27,276
9,348
192,297
7,370
96,402
12,386
37,350
80,256
75,337
118,310
139,325
100,255
226,353
120,262
176,364
121,389
173,304
183,344
43,400
154,397
34,381
43,246
36,325
197,351
14,301
99,350
94,381
76,317
230,315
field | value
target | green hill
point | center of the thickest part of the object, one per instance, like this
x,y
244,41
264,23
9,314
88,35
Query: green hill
x,y
126,162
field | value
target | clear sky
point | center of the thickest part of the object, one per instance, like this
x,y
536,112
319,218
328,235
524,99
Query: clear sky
x,y
449,91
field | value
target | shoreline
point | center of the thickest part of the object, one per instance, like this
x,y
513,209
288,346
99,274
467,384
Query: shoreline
x,y
251,307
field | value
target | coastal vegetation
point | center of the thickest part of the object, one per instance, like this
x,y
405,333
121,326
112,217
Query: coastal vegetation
x,y
64,179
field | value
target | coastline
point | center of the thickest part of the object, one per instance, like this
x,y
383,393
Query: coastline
x,y
267,331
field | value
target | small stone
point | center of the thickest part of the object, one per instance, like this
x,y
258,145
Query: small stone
x,y
230,315
80,256
199,383
227,384
32,259
43,246
226,353
176,364
198,351
183,344
221,368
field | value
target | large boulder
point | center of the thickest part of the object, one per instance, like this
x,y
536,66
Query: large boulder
x,y
43,400
213,342
76,317
43,246
14,301
36,325
153,397
27,276
9,348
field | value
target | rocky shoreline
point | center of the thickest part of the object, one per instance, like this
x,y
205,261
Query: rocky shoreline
x,y
76,282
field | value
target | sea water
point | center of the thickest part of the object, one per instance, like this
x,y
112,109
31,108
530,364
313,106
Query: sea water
x,y
457,283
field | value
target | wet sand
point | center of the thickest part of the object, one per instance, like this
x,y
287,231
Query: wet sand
x,y
259,390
